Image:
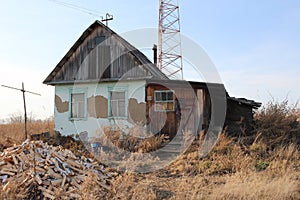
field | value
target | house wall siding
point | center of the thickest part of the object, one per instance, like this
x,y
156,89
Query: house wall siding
x,y
96,109
107,60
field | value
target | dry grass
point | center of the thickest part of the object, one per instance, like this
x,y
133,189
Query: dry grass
x,y
14,133
227,173
267,167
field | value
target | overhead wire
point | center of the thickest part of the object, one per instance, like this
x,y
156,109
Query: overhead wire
x,y
79,8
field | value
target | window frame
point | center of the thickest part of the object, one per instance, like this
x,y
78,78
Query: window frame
x,y
78,91
117,89
164,101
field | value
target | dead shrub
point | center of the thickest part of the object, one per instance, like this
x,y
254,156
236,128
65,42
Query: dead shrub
x,y
133,140
276,124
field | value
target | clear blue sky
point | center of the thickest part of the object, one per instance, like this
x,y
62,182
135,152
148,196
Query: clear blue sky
x,y
255,45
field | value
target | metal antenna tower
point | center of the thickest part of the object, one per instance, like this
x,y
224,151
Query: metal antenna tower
x,y
169,48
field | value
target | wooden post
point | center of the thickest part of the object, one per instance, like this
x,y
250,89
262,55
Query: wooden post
x,y
24,101
25,112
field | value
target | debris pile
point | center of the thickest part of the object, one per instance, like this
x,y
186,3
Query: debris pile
x,y
52,170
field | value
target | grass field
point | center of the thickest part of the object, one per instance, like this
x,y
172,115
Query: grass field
x,y
265,165
13,133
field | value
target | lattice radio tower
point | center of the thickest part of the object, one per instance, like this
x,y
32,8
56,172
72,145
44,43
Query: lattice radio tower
x,y
169,47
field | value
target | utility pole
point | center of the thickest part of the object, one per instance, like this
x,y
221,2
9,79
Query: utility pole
x,y
24,101
169,48
108,18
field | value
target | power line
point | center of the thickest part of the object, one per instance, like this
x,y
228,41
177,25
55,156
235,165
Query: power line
x,y
79,8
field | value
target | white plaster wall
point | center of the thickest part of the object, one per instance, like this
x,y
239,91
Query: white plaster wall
x,y
135,89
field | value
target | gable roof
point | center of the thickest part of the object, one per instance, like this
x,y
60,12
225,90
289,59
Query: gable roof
x,y
138,55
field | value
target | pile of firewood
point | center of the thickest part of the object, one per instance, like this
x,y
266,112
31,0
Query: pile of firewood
x,y
51,168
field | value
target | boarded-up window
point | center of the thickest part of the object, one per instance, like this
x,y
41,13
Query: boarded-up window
x,y
104,61
164,100
77,106
117,104
99,62
92,64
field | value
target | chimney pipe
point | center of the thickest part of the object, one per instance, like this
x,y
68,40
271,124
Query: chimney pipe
x,y
155,54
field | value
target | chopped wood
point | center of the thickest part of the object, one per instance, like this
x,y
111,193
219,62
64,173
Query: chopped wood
x,y
6,186
20,158
10,169
78,170
38,179
46,182
2,162
74,164
48,195
58,156
47,191
74,195
6,172
24,181
56,182
63,181
37,168
52,173
56,170
14,159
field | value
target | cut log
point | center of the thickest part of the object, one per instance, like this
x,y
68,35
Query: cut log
x,y
53,174
56,182
2,162
37,168
10,169
48,195
14,159
58,156
38,179
63,181
74,195
74,164
8,173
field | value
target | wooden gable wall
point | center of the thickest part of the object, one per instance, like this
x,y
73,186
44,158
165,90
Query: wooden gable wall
x,y
109,60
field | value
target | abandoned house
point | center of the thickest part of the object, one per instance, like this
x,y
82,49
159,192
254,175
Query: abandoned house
x,y
105,81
